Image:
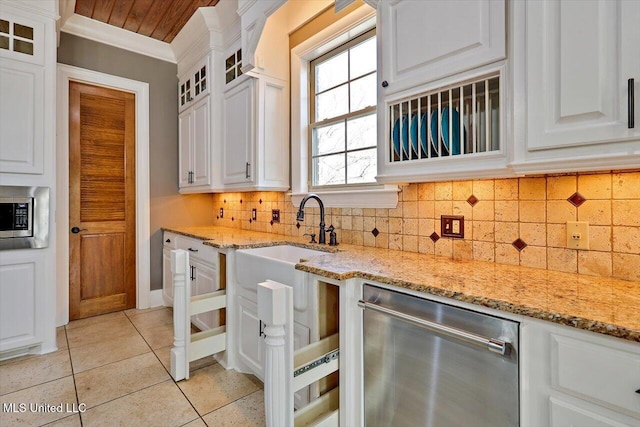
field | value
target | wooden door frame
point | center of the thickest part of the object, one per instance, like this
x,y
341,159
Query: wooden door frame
x,y
65,74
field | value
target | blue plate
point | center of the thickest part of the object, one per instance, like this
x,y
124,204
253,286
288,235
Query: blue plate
x,y
423,134
435,136
414,135
455,130
405,136
396,137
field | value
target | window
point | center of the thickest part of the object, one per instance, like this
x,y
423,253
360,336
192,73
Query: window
x,y
342,119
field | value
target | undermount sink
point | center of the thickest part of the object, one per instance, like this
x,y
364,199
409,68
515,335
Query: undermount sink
x,y
275,263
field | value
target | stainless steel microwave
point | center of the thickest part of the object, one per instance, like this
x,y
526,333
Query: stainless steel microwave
x,y
24,217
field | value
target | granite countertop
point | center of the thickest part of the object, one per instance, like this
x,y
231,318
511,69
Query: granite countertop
x,y
604,305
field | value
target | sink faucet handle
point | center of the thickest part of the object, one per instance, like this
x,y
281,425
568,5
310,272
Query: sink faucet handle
x,y
333,238
313,237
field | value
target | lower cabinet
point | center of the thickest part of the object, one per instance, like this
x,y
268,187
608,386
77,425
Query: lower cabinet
x,y
204,279
250,345
577,378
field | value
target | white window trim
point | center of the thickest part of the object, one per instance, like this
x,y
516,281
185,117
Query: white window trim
x,y
367,196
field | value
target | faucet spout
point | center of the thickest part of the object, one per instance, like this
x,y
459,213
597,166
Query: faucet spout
x,y
300,215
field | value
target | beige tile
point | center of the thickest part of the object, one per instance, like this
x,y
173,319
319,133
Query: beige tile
x,y
33,371
118,315
444,191
395,242
426,209
368,212
443,207
346,222
369,223
246,412
357,223
565,260
595,186
463,249
61,338
506,232
600,238
462,190
135,311
158,336
395,225
397,212
382,224
196,423
557,235
626,240
533,188
426,191
507,254
484,251
594,263
506,210
213,387
99,331
110,350
534,234
483,189
626,185
425,227
560,211
462,208
382,213
444,247
357,238
410,227
410,192
561,187
161,404
484,211
54,393
153,318
595,212
382,241
534,256
426,245
625,212
506,189
410,243
109,382
72,421
483,231
410,209
625,266
357,211
532,211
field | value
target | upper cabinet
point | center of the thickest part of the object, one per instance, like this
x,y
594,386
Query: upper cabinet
x,y
577,66
422,41
194,85
443,90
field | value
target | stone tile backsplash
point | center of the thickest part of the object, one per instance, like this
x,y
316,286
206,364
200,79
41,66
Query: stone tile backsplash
x,y
501,211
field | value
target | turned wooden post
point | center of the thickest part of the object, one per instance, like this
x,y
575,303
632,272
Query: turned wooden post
x,y
181,325
275,310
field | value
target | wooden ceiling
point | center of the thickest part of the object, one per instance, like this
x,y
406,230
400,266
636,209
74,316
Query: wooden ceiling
x,y
159,19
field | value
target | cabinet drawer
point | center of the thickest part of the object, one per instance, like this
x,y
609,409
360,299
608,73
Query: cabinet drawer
x,y
169,240
198,250
597,373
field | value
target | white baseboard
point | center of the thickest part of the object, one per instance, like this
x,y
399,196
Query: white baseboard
x,y
155,298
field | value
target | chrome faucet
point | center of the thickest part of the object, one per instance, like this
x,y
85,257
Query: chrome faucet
x,y
300,216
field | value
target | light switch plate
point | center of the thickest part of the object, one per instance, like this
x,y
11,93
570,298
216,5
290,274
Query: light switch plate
x,y
452,226
577,235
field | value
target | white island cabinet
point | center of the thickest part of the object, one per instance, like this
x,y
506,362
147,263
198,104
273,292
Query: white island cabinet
x,y
572,70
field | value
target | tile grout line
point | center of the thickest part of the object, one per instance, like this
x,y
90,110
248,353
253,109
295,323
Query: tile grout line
x,y
73,374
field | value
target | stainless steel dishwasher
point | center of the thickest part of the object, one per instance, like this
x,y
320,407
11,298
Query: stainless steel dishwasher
x,y
434,365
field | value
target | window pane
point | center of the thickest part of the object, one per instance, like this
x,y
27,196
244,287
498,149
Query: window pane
x,y
361,132
332,103
332,72
329,170
363,58
363,92
361,166
329,139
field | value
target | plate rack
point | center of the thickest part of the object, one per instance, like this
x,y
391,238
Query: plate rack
x,y
459,120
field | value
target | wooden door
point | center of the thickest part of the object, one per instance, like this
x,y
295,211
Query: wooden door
x,y
102,190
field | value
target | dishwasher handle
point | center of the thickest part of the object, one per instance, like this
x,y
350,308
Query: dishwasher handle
x,y
491,344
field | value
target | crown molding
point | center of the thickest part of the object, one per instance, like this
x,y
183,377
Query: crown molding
x,y
91,29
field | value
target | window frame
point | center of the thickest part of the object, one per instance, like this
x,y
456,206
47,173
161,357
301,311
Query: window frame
x,y
343,118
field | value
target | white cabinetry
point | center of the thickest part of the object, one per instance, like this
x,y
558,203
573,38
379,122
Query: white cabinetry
x,y
573,64
422,41
573,377
170,242
195,85
195,146
443,94
238,121
250,344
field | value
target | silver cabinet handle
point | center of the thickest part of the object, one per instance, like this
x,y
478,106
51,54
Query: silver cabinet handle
x,y
491,344
630,103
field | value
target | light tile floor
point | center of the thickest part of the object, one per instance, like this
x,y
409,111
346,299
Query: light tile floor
x,y
117,365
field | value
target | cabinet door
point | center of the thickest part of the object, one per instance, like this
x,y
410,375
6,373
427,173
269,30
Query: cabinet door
x,y
301,338
238,125
21,117
564,414
579,57
205,280
22,284
421,41
167,278
185,131
201,160
250,348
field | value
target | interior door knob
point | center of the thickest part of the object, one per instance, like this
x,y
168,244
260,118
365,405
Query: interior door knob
x,y
76,230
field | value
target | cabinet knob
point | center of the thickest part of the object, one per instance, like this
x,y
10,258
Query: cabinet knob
x,y
385,83
168,241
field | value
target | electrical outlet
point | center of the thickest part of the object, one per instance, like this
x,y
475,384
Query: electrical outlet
x,y
254,214
275,215
221,215
577,235
452,226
